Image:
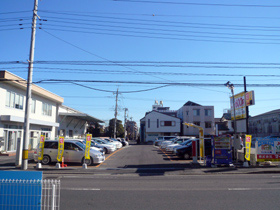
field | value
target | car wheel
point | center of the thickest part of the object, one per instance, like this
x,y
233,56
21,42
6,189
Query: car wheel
x,y
186,156
89,162
46,160
105,150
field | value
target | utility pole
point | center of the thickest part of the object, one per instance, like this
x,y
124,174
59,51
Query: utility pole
x,y
132,128
125,110
116,114
245,163
28,90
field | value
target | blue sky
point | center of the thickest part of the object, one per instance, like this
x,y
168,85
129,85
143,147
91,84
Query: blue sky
x,y
112,32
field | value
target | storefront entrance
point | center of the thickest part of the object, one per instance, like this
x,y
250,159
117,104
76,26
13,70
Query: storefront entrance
x,y
10,139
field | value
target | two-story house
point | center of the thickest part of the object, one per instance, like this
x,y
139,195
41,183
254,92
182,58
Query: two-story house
x,y
43,114
160,122
199,115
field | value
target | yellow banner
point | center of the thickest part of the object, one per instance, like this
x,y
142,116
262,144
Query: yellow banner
x,y
41,147
60,148
248,147
88,143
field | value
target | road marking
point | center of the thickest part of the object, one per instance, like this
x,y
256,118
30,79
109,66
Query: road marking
x,y
110,156
81,189
246,189
166,154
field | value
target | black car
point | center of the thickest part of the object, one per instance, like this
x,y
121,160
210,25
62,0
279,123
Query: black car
x,y
185,152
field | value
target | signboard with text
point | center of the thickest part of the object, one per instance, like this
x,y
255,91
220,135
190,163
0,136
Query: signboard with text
x,y
241,101
268,149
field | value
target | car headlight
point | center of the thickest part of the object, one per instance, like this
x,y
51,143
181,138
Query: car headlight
x,y
97,156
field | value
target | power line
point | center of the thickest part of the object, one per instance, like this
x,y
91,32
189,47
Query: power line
x,y
202,4
164,34
164,38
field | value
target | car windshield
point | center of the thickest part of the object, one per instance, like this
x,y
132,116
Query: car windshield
x,y
80,144
185,142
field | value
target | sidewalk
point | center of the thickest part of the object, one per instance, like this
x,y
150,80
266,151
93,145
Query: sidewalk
x,y
7,163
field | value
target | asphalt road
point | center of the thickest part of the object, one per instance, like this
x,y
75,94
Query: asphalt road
x,y
256,192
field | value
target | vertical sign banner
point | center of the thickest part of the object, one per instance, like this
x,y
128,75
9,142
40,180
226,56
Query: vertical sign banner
x,y
60,148
250,98
88,143
248,147
41,147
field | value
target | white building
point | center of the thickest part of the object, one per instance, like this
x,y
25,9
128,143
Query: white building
x,y
199,115
73,123
43,113
159,122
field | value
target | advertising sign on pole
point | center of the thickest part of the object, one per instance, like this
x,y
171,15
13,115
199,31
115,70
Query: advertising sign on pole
x,y
248,147
41,147
60,148
250,98
240,106
88,144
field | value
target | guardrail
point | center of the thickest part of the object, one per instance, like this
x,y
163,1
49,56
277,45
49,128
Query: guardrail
x,y
29,194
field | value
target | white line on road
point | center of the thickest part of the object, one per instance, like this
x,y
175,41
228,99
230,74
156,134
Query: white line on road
x,y
244,189
81,189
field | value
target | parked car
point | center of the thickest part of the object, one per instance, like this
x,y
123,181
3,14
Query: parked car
x,y
74,151
108,147
178,140
171,147
185,152
123,142
162,138
92,146
114,141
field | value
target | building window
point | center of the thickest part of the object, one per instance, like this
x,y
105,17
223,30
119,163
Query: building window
x,y
47,109
167,123
157,123
208,112
14,100
187,112
149,123
196,112
208,124
196,123
33,106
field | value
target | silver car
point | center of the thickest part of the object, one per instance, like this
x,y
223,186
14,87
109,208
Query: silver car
x,y
74,151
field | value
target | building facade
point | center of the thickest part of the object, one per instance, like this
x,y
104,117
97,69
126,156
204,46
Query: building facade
x,y
266,124
73,123
156,124
199,115
43,114
132,129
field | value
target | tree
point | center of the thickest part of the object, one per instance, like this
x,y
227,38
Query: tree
x,y
119,130
94,129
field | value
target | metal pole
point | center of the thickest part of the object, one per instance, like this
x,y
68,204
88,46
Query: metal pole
x,y
116,113
125,109
28,91
234,119
247,122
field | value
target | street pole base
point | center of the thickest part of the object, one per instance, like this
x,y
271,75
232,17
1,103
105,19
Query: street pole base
x,y
195,160
39,165
57,165
246,164
84,165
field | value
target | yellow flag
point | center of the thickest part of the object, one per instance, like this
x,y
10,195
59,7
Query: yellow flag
x,y
88,144
60,148
41,148
248,147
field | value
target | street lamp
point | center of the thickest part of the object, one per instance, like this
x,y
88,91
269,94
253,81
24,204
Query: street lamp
x,y
231,87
